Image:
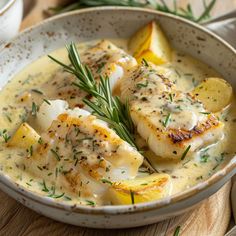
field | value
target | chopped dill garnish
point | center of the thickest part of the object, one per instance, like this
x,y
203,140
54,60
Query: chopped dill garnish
x,y
34,109
45,189
4,134
199,177
145,62
171,97
37,91
56,154
188,74
40,168
67,198
76,161
165,123
100,67
56,172
132,196
30,151
40,140
23,117
106,181
204,158
90,203
56,196
140,85
82,139
177,72
205,113
185,152
8,117
215,166
45,100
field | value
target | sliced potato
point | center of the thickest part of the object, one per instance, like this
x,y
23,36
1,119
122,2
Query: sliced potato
x,y
151,44
214,93
143,189
24,137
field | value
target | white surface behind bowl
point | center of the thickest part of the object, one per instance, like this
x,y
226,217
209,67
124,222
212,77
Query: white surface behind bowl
x,y
11,12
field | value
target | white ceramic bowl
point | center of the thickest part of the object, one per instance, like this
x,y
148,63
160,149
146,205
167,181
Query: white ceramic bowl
x,y
11,12
112,22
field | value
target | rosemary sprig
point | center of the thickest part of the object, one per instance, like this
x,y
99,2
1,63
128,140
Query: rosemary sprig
x,y
106,107
103,104
161,6
79,4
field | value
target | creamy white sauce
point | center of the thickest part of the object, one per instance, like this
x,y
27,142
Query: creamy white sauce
x,y
44,75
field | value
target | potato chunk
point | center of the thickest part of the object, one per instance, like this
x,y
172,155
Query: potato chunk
x,y
214,93
143,189
24,137
151,44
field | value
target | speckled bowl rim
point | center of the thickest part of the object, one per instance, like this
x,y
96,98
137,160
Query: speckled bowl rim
x,y
6,6
227,171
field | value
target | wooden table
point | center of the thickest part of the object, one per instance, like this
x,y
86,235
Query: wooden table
x,y
211,218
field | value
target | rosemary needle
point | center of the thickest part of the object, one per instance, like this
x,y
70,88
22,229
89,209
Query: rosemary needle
x,y
159,6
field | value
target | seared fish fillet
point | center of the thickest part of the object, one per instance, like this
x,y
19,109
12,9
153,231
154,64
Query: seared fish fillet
x,y
171,122
81,151
105,59
108,60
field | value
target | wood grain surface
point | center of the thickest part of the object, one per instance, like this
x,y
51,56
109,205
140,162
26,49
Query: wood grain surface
x,y
210,218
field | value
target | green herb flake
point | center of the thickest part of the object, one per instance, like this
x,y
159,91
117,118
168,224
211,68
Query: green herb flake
x,y
177,231
106,181
34,109
37,91
145,62
4,134
67,198
40,140
205,113
30,150
199,177
56,196
90,203
168,117
144,85
8,117
40,168
45,189
204,158
56,154
185,152
100,66
45,100
132,196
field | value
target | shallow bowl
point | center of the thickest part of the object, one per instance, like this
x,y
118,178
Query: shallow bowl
x,y
114,22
